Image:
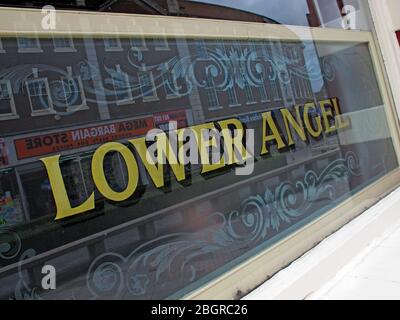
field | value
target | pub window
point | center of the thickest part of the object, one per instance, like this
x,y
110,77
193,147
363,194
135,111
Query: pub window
x,y
217,220
112,44
211,93
147,87
63,44
39,97
170,83
138,43
7,105
28,45
122,87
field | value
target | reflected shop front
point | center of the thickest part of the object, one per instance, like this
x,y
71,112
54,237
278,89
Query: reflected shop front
x,y
300,94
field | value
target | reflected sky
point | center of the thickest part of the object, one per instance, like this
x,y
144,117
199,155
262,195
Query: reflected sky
x,y
276,10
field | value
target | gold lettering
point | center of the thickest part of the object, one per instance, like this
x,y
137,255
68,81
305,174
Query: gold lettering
x,y
316,133
57,184
100,179
233,143
268,119
327,112
294,123
204,144
156,171
340,119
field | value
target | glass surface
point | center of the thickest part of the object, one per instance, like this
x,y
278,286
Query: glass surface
x,y
166,240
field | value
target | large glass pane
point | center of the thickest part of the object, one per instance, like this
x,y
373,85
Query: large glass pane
x,y
131,230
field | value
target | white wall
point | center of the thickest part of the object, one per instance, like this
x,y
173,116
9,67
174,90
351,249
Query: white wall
x,y
394,9
386,17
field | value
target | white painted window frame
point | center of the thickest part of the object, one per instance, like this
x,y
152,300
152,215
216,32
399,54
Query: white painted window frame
x,y
71,48
154,97
129,100
44,112
13,114
83,105
37,49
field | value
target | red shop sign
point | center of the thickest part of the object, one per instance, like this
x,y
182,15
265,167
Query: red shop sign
x,y
81,137
162,119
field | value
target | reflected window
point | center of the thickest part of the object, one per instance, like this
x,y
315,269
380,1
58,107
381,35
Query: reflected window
x,y
232,97
7,105
112,44
211,93
147,86
160,43
170,83
39,97
138,43
27,45
64,44
201,50
122,86
263,93
73,94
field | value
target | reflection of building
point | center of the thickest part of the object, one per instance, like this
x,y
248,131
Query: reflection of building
x,y
68,94
180,8
72,94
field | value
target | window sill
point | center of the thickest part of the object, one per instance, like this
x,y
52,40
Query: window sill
x,y
9,116
43,113
234,105
251,103
215,108
140,49
113,49
30,50
76,108
172,96
125,102
162,49
150,99
65,50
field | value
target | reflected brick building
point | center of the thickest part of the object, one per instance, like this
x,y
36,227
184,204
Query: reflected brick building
x,y
55,88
